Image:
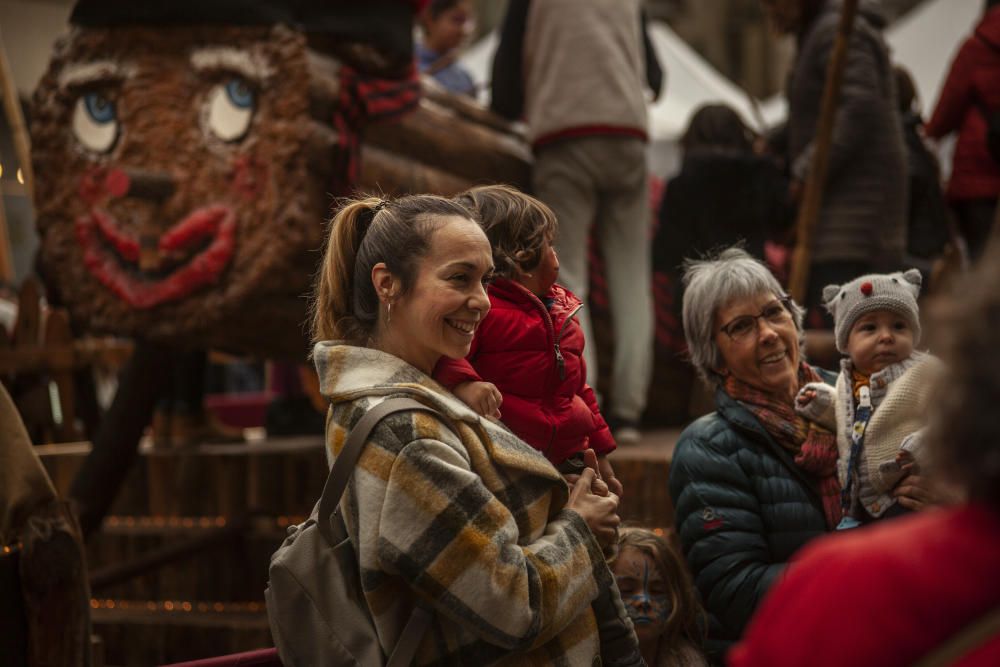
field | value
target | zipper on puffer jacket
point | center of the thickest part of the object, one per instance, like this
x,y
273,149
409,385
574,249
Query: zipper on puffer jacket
x,y
560,361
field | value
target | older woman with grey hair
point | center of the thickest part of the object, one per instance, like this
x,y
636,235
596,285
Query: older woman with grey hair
x,y
751,482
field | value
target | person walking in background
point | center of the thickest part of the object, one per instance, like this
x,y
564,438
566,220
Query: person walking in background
x,y
922,589
862,222
576,71
969,102
446,24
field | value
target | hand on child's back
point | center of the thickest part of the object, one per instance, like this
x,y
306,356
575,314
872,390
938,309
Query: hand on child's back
x,y
483,397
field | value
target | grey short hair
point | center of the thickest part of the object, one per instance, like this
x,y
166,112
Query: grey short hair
x,y
710,284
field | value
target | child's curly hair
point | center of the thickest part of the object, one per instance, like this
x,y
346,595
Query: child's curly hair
x,y
517,225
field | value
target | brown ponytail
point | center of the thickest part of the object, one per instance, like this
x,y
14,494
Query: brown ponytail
x,y
363,233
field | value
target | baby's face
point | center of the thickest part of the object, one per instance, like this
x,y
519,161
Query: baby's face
x,y
878,339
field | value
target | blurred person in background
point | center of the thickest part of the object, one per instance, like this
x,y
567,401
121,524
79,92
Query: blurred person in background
x,y
969,102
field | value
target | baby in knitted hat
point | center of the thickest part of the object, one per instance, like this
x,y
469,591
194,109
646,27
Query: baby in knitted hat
x,y
879,404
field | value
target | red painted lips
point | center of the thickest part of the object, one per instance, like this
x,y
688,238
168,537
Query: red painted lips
x,y
107,249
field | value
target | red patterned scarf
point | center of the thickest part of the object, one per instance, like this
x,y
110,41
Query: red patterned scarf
x,y
813,448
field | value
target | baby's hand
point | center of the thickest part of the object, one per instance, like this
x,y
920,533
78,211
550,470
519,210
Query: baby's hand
x,y
483,397
806,395
815,401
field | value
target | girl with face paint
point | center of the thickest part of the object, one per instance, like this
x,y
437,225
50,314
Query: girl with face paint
x,y
660,599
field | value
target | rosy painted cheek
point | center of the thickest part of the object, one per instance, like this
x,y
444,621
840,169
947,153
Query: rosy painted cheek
x,y
248,176
99,184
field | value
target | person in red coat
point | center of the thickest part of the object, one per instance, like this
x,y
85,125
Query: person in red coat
x,y
971,90
901,591
528,352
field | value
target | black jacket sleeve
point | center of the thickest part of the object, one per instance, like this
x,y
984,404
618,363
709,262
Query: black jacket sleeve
x,y
507,82
654,72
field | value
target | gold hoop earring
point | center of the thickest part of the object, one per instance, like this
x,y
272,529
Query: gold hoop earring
x,y
388,312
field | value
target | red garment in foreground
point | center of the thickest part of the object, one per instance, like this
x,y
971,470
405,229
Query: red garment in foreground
x,y
883,595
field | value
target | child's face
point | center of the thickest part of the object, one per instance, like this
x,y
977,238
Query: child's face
x,y
878,339
644,593
447,31
540,279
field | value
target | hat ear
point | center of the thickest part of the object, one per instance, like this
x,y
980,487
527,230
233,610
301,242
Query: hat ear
x,y
829,294
913,277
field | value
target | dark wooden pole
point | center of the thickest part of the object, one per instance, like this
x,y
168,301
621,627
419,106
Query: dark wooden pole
x,y
812,199
143,380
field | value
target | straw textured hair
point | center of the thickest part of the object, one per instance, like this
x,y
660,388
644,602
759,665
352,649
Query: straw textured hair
x,y
712,283
517,225
363,233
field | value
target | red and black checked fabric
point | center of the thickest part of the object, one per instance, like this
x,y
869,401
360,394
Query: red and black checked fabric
x,y
363,99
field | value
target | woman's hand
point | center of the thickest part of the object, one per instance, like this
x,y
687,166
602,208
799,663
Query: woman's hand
x,y
915,492
599,512
483,397
608,475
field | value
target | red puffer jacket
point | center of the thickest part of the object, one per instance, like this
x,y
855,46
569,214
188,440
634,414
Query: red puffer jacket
x,y
974,78
535,358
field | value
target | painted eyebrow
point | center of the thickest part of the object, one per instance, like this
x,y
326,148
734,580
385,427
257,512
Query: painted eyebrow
x,y
97,70
250,65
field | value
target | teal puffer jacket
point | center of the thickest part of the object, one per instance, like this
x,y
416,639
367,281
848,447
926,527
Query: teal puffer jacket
x,y
742,508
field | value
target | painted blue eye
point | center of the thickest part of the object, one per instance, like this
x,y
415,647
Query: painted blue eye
x,y
95,122
100,108
230,109
240,94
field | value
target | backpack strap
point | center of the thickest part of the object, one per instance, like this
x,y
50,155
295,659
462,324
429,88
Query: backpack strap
x,y
343,467
419,622
971,637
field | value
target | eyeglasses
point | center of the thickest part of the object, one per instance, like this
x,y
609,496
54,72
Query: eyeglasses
x,y
742,327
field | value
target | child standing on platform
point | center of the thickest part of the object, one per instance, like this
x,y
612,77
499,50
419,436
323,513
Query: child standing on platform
x,y
528,353
879,405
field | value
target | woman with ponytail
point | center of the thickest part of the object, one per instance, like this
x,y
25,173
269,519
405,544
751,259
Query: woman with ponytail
x,y
453,513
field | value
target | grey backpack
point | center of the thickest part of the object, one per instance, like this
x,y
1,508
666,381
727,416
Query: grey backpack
x,y
315,605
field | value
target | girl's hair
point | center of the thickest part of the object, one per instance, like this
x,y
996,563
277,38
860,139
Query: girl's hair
x,y
517,225
363,233
686,614
716,126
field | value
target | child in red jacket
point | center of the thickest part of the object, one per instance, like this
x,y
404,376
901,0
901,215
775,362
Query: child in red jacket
x,y
528,352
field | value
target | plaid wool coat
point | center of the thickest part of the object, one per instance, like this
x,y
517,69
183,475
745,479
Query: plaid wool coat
x,y
473,527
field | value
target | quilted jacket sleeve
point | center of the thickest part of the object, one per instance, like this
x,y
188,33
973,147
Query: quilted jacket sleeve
x,y
720,522
457,545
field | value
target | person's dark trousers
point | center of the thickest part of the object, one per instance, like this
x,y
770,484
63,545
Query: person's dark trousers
x,y
975,219
821,275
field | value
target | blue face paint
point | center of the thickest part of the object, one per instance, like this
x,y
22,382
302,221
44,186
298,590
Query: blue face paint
x,y
641,586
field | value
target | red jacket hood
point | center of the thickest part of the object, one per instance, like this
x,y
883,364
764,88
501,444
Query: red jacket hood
x,y
989,27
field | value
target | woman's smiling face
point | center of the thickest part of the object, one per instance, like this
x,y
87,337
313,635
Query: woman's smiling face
x,y
768,357
440,313
644,593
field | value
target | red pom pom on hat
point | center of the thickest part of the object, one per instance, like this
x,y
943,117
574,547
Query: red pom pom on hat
x,y
866,288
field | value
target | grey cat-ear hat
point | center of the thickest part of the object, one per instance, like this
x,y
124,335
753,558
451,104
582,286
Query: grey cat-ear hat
x,y
895,292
